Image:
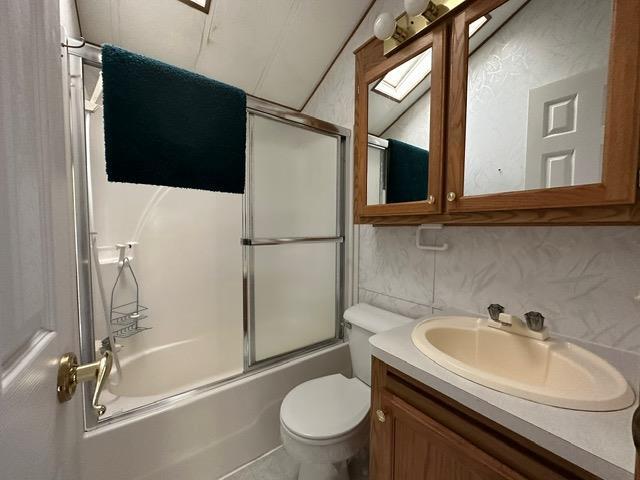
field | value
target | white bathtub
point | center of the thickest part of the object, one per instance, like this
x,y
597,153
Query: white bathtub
x,y
167,368
203,436
161,372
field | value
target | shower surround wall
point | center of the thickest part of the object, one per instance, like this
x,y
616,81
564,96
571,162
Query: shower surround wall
x,y
188,262
584,279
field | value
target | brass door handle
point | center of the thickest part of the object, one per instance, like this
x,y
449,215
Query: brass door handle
x,y
70,374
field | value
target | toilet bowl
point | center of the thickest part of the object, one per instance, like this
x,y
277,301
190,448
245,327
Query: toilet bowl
x,y
324,422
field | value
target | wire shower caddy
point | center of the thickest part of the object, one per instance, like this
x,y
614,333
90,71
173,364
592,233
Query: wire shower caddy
x,y
125,318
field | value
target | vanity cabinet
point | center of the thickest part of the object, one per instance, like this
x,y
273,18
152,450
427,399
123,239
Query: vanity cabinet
x,y
419,434
503,112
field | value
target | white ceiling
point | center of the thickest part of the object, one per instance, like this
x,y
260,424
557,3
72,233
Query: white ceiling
x,y
273,49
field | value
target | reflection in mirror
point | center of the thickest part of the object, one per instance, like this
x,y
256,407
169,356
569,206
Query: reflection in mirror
x,y
398,127
536,95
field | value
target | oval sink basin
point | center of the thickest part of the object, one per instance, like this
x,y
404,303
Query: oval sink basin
x,y
552,372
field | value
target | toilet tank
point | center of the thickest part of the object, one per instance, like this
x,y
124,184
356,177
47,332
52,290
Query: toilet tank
x,y
367,320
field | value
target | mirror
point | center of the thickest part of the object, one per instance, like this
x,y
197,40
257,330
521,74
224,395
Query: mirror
x,y
536,96
398,133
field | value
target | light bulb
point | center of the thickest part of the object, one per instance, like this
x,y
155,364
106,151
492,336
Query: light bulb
x,y
384,26
415,7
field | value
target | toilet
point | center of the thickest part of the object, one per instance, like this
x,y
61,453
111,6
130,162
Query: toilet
x,y
324,421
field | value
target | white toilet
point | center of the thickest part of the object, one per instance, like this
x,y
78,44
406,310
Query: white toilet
x,y
324,422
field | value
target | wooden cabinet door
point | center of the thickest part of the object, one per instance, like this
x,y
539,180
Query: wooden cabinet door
x,y
371,68
616,152
409,445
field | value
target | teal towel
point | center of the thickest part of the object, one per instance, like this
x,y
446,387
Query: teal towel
x,y
407,172
167,126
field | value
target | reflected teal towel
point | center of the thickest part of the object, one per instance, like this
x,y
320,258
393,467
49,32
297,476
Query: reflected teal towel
x,y
407,173
167,126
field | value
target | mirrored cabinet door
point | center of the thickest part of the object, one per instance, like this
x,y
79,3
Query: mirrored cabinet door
x,y
542,107
400,127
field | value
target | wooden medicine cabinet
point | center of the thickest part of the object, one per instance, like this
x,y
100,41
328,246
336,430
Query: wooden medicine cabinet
x,y
503,112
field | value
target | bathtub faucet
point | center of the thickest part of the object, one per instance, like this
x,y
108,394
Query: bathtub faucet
x,y
105,345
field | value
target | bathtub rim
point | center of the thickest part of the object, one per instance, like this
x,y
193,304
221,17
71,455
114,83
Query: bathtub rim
x,y
128,359
192,393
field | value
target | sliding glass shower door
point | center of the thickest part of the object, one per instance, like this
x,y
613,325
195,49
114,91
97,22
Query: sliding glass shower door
x,y
293,238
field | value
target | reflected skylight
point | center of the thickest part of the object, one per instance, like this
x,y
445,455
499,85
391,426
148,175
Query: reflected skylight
x,y
400,81
202,5
477,24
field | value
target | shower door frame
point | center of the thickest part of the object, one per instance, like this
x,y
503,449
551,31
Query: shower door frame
x,y
262,108
90,55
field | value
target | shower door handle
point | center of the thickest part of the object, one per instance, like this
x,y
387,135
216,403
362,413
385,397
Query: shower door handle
x,y
286,240
70,374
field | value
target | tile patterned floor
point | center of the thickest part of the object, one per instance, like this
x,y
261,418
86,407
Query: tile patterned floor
x,y
278,465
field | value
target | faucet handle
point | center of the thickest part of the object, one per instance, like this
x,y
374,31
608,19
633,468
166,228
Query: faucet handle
x,y
535,321
494,311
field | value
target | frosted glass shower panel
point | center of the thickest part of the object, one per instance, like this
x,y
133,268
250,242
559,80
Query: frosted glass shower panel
x,y
294,297
294,180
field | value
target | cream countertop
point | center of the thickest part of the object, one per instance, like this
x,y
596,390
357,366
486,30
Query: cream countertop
x,y
599,442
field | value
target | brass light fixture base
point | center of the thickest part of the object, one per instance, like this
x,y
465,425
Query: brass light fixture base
x,y
408,27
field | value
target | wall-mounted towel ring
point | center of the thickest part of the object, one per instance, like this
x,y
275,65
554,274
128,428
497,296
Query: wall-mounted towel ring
x,y
434,248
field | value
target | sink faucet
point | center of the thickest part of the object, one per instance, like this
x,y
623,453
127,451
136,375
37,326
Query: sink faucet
x,y
534,326
535,321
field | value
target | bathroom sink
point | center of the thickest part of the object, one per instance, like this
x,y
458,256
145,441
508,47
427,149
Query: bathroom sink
x,y
552,372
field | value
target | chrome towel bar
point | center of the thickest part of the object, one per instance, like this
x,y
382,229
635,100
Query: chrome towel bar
x,y
281,241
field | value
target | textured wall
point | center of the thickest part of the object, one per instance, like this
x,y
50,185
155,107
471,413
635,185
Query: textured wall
x,y
413,125
545,42
583,278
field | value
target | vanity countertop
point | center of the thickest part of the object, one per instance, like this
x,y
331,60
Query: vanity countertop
x,y
599,442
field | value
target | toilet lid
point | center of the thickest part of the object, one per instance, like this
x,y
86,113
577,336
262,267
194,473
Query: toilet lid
x,y
325,407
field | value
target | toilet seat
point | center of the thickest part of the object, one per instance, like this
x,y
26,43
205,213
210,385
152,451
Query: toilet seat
x,y
325,409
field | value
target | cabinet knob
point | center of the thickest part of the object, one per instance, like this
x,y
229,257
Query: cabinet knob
x,y
451,196
431,199
381,416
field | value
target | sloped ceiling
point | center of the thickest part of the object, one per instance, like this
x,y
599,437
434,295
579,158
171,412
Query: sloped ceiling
x,y
274,49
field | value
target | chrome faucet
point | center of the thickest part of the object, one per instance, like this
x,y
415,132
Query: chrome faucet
x,y
105,345
535,321
534,326
495,309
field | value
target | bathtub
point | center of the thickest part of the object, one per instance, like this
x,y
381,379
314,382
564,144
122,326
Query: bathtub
x,y
161,372
169,367
199,436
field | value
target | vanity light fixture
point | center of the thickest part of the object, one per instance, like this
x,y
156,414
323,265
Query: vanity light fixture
x,y
419,14
401,81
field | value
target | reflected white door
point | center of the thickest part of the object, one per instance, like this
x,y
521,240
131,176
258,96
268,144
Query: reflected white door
x,y
38,435
565,132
